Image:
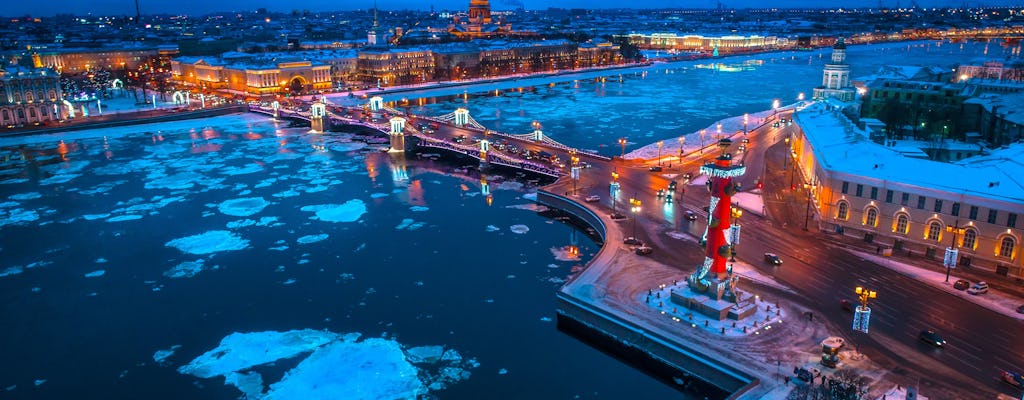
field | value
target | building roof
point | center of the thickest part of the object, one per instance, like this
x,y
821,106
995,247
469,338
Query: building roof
x,y
842,148
1009,107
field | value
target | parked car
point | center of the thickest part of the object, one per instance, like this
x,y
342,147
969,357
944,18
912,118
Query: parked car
x,y
961,284
593,198
655,169
644,250
846,305
690,215
1013,379
632,240
929,336
1020,309
772,258
978,288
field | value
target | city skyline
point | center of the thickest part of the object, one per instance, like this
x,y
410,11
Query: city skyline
x,y
125,7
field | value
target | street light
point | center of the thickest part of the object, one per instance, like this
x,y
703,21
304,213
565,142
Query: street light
x,y
736,214
681,141
745,118
775,106
660,143
951,252
863,294
807,215
614,188
634,204
575,169
719,135
785,160
622,142
702,142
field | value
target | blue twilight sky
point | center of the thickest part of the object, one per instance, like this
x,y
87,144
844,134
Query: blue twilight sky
x,y
127,7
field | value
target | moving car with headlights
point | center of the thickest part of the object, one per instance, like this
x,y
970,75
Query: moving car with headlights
x,y
929,336
772,258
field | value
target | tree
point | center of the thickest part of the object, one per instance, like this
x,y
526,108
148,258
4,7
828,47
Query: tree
x,y
894,115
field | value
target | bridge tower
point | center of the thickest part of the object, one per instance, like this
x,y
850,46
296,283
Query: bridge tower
x,y
485,145
396,135
461,117
276,106
538,134
376,104
317,112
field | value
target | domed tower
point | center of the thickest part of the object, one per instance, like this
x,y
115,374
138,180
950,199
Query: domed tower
x,y
835,81
479,11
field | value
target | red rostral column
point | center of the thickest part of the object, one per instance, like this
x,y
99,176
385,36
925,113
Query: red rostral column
x,y
721,184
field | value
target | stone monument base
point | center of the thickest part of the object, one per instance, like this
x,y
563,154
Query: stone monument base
x,y
714,308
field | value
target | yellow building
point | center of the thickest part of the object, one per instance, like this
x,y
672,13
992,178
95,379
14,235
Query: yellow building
x,y
253,74
876,194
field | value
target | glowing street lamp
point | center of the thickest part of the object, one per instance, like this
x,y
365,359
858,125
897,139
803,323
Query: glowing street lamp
x,y
864,294
952,252
575,169
681,141
718,136
800,96
622,142
745,120
660,143
634,204
775,106
702,142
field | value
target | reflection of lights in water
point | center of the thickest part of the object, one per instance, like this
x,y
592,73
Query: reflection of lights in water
x,y
490,199
62,149
399,174
371,170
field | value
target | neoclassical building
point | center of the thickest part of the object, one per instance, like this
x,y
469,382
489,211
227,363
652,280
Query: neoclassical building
x,y
870,191
255,74
835,80
28,96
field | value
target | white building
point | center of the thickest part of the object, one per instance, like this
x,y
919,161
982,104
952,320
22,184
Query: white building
x,y
835,80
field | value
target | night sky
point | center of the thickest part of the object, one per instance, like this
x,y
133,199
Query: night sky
x,y
127,7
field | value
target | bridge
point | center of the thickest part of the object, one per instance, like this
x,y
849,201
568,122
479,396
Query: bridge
x,y
446,132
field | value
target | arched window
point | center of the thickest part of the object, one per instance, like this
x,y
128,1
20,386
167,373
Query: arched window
x,y
6,115
844,211
934,228
902,224
53,95
32,113
17,97
970,239
872,217
1006,247
29,97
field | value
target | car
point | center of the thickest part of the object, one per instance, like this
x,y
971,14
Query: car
x,y
690,215
644,250
929,336
846,305
772,258
632,240
978,288
687,176
593,198
1013,379
961,284
655,169
672,185
1020,310
746,140
660,192
743,148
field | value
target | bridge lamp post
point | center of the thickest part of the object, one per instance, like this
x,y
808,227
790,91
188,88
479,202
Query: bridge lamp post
x,y
718,136
660,143
775,106
622,142
702,131
746,118
681,141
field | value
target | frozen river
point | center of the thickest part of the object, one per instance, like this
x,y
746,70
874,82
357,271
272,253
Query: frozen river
x,y
210,258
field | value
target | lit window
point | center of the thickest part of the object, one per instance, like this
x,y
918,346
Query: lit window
x,y
1006,247
970,239
933,230
902,224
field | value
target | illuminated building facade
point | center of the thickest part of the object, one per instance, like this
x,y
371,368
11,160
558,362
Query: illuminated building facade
x,y
29,96
252,75
699,43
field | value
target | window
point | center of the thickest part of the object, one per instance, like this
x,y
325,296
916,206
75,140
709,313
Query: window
x,y
933,230
874,193
1011,220
888,196
938,205
992,216
902,224
846,187
860,190
920,202
1006,247
905,199
970,239
844,211
974,212
956,210
872,218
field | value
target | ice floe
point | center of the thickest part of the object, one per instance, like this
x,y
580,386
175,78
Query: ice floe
x,y
209,242
410,224
264,221
242,207
331,366
121,218
312,238
25,196
492,228
11,271
519,229
95,274
160,356
419,208
350,211
185,269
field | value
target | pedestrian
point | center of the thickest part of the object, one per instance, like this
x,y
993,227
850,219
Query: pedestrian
x,y
786,379
878,250
810,316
